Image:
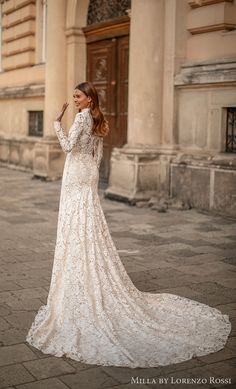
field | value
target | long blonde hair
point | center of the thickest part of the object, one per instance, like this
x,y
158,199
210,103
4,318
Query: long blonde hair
x,y
100,124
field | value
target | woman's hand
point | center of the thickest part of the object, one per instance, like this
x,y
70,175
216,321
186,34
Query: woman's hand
x,y
60,116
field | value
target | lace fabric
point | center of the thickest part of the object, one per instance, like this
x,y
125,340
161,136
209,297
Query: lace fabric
x,y
80,139
94,313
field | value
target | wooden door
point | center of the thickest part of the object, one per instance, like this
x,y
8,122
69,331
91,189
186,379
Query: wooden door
x,y
107,69
122,89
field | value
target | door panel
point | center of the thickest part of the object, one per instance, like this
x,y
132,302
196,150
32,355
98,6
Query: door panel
x,y
122,89
101,60
107,69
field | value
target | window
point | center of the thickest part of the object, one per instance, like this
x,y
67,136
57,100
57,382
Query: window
x,y
35,123
230,141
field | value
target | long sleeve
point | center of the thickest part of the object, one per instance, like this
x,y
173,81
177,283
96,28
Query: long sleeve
x,y
68,142
98,150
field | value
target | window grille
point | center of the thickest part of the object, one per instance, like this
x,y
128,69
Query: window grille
x,y
35,123
230,142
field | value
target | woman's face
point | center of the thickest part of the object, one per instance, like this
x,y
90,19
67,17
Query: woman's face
x,y
80,99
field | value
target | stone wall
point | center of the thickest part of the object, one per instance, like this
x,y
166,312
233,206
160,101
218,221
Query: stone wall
x,y
18,33
207,183
18,152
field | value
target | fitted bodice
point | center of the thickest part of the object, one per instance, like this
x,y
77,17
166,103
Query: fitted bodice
x,y
87,140
81,140
85,143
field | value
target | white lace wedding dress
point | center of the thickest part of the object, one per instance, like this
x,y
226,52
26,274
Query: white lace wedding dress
x,y
94,313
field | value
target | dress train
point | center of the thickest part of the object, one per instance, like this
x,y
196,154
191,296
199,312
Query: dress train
x,y
94,313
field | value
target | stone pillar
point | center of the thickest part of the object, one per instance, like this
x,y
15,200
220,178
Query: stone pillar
x,y
145,72
76,19
76,64
174,55
48,158
55,88
134,168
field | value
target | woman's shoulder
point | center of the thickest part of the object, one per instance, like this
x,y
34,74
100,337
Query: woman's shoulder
x,y
84,111
82,114
80,117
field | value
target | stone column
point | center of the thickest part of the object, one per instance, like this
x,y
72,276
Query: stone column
x,y
48,158
145,72
76,64
55,83
174,55
134,168
76,19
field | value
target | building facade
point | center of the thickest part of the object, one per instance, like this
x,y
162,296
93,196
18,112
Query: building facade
x,y
166,75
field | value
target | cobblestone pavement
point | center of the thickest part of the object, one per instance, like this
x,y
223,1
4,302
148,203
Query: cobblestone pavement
x,y
188,253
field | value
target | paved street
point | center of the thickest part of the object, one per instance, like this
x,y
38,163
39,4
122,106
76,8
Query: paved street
x,y
188,253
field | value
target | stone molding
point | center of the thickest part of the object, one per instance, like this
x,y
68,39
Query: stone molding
x,y
223,161
29,14
22,91
207,72
19,139
11,6
211,28
200,3
74,31
18,34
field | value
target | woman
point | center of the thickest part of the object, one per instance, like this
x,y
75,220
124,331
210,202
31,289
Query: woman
x,y
94,313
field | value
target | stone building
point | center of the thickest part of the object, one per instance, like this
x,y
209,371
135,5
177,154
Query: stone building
x,y
166,75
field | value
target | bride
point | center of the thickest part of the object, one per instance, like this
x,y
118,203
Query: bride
x,y
94,313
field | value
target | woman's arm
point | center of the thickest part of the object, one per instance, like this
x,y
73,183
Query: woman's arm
x,y
98,150
68,142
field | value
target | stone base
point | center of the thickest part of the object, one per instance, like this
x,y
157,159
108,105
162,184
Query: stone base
x,y
138,173
18,151
42,156
205,181
48,159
